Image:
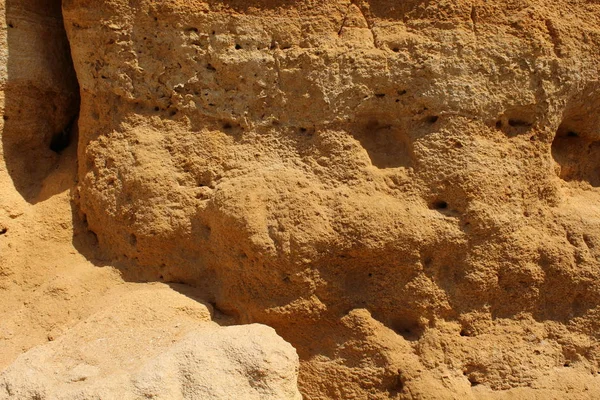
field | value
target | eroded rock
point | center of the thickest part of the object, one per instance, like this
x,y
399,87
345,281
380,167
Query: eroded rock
x,y
40,95
406,192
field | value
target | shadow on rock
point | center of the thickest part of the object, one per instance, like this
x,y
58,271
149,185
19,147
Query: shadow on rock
x,y
41,97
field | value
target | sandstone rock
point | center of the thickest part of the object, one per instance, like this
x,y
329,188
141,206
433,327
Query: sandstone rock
x,y
407,191
157,344
40,96
424,161
103,338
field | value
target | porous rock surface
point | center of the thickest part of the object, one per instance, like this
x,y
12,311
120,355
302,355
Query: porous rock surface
x,y
70,326
408,192
156,344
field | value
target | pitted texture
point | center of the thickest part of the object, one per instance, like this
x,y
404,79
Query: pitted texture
x,y
407,192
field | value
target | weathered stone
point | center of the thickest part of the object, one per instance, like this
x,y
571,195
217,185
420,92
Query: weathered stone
x,y
406,191
156,344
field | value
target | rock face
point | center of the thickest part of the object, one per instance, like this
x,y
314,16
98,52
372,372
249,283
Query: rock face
x,y
96,336
40,97
406,191
132,350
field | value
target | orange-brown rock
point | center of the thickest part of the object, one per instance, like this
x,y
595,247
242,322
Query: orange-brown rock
x,y
408,192
71,330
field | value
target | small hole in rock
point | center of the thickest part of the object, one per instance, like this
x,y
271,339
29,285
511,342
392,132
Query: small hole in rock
x,y
238,47
227,126
498,124
3,230
380,95
132,239
409,329
432,119
464,333
161,277
157,108
567,364
370,274
303,130
395,49
439,205
5,117
11,25
61,140
518,123
576,153
397,385
388,146
210,67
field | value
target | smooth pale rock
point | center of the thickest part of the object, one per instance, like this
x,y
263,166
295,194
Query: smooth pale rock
x,y
156,344
237,362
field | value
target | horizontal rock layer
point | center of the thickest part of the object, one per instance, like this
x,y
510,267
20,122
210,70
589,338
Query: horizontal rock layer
x,y
407,192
